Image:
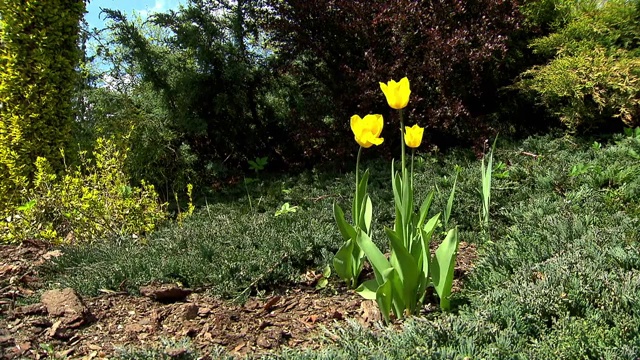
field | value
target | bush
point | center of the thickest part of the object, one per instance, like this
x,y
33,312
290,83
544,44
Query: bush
x,y
451,51
595,73
91,202
38,58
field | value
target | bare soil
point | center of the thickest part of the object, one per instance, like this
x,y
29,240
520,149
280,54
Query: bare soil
x,y
95,327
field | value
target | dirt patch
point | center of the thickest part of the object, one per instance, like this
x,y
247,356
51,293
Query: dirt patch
x,y
95,327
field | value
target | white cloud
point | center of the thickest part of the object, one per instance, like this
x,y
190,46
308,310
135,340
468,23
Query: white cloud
x,y
158,6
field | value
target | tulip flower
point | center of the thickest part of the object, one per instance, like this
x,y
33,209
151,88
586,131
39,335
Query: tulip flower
x,y
349,259
413,136
367,131
397,93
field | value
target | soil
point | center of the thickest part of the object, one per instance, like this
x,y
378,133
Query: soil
x,y
64,324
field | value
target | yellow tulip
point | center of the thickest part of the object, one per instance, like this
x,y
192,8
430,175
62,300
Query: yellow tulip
x,y
413,136
367,131
397,93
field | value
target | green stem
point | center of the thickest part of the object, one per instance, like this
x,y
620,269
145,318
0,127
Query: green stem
x,y
356,208
358,166
413,151
402,143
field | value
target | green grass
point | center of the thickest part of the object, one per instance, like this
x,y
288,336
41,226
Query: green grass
x,y
559,280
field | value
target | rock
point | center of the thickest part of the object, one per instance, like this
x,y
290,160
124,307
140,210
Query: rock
x,y
133,328
189,311
165,293
175,352
204,312
370,313
66,304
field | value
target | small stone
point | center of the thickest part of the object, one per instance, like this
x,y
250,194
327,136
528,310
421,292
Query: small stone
x,y
204,312
165,293
67,304
189,311
175,352
133,328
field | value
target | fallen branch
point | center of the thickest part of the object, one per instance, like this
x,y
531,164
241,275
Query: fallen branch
x,y
535,156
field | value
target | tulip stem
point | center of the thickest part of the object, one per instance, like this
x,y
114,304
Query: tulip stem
x,y
358,166
357,206
413,151
404,169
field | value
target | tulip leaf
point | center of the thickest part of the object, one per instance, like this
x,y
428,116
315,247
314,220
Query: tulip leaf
x,y
424,209
368,289
367,214
442,267
384,299
448,209
406,268
361,191
343,261
379,263
347,231
396,184
396,291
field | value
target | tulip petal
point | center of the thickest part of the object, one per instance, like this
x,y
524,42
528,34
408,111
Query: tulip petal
x,y
356,124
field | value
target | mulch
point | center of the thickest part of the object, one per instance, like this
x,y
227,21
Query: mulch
x,y
297,317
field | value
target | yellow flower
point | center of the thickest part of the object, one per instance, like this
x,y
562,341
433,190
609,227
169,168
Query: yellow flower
x,y
397,93
367,131
413,136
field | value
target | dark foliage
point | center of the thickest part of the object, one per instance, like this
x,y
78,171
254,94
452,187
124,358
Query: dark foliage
x,y
451,51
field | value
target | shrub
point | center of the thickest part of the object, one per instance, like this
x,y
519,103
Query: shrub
x,y
90,202
595,73
38,58
450,50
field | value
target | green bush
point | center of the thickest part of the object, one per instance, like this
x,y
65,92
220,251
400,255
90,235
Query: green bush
x,y
594,75
92,201
38,58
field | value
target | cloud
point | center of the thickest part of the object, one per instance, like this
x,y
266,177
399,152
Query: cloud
x,y
158,6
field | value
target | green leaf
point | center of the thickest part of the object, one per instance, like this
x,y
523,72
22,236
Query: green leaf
x,y
343,261
442,267
347,231
384,299
424,209
449,208
27,206
406,268
367,214
379,263
326,272
368,289
322,283
361,191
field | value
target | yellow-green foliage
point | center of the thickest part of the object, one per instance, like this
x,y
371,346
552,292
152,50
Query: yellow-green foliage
x,y
594,73
589,87
93,201
38,57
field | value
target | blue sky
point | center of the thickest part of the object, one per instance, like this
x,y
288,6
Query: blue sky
x,y
143,7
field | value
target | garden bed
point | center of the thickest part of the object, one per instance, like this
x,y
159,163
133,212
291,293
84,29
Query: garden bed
x,y
295,317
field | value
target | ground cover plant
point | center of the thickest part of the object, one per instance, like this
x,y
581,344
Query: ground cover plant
x,y
559,277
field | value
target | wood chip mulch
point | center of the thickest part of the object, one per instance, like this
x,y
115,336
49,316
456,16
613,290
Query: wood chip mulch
x,y
292,318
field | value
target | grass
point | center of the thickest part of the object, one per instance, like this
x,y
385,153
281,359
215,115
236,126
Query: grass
x,y
560,278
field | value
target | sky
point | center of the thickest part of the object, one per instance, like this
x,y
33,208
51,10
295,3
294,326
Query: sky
x,y
143,7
